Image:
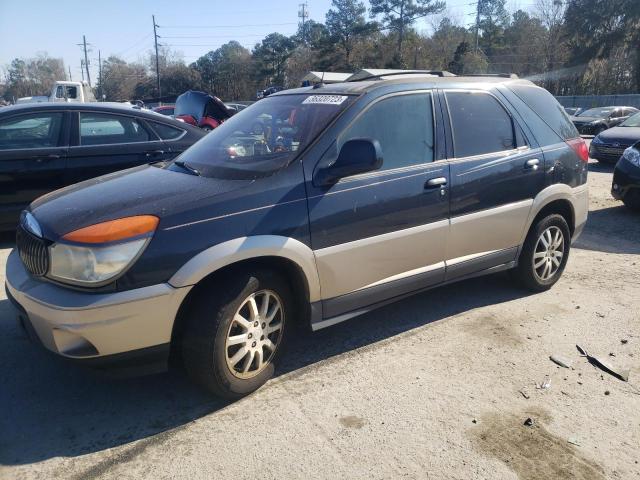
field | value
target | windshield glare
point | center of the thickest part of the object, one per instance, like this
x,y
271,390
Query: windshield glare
x,y
264,137
632,121
596,112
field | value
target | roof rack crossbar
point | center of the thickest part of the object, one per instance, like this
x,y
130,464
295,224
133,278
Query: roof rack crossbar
x,y
500,75
436,73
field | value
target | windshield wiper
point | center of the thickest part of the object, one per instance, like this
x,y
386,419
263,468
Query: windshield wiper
x,y
193,171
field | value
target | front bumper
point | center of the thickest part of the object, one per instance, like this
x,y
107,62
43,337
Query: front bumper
x,y
626,177
101,329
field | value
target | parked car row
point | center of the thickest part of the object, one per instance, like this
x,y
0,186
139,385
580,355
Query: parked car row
x,y
46,146
596,120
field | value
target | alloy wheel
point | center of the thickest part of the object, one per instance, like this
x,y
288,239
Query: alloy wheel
x,y
548,253
254,334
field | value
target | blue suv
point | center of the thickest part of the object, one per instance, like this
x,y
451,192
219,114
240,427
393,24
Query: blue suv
x,y
310,207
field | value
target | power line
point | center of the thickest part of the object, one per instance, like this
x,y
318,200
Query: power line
x,y
228,26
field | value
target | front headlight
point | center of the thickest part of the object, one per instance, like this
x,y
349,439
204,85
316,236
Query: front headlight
x,y
632,155
97,254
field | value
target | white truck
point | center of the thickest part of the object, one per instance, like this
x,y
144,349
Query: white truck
x,y
63,91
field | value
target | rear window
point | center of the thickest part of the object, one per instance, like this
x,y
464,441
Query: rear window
x,y
547,108
166,132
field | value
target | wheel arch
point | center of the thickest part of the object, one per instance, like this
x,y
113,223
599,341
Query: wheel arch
x,y
293,259
556,198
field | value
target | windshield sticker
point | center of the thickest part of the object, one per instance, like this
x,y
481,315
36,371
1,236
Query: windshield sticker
x,y
325,99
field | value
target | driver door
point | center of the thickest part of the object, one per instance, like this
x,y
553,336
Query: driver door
x,y
381,234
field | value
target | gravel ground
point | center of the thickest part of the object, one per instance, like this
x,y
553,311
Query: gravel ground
x,y
436,386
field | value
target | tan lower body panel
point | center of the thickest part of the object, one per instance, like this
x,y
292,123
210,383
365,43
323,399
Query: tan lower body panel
x,y
488,230
362,263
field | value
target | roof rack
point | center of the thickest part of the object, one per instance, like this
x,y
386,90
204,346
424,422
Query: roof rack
x,y
500,75
435,73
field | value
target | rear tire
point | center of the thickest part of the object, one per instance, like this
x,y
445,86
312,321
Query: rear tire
x,y
233,338
544,254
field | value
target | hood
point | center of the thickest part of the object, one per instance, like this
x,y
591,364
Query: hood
x,y
144,190
625,136
585,119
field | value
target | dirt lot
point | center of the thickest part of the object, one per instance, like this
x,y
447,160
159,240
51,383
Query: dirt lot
x,y
426,388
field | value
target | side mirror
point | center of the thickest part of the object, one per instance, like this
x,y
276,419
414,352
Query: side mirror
x,y
358,155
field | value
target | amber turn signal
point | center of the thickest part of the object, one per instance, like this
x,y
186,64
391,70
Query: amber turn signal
x,y
114,230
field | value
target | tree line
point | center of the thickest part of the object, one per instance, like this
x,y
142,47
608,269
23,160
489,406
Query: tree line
x,y
570,47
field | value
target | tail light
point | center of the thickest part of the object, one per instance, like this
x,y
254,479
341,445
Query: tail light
x,y
580,147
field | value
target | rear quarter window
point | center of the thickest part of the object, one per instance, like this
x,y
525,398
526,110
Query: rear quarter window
x,y
545,106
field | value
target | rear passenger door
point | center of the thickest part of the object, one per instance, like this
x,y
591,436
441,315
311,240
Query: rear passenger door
x,y
107,142
495,175
381,234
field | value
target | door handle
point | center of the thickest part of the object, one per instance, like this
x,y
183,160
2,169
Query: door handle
x,y
46,158
436,182
153,153
532,164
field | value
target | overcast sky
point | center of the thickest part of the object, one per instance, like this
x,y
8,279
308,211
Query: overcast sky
x,y
124,27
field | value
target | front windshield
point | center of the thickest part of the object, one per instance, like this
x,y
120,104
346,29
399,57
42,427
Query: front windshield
x,y
596,112
632,121
264,137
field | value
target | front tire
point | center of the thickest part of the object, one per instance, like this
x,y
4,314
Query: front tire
x,y
235,332
544,254
632,200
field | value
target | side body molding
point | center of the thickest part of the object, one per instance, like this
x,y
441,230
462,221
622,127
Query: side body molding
x,y
244,248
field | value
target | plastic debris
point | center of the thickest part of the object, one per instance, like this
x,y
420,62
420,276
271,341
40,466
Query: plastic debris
x,y
528,422
618,373
546,383
563,362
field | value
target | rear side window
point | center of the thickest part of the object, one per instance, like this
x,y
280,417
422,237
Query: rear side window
x,y
403,124
36,130
105,129
166,132
547,108
480,124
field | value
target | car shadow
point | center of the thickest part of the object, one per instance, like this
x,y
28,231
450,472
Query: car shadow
x,y
595,166
7,239
611,230
52,408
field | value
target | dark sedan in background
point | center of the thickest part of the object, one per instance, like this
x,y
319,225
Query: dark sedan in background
x,y
609,145
596,120
47,146
626,178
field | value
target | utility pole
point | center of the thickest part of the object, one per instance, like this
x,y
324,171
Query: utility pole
x,y
86,59
100,74
477,23
70,77
82,68
303,14
155,38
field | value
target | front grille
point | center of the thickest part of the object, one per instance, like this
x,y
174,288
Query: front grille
x,y
607,150
33,252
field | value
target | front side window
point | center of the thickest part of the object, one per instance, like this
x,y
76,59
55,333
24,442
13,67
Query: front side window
x,y
264,137
37,130
105,129
402,124
480,124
